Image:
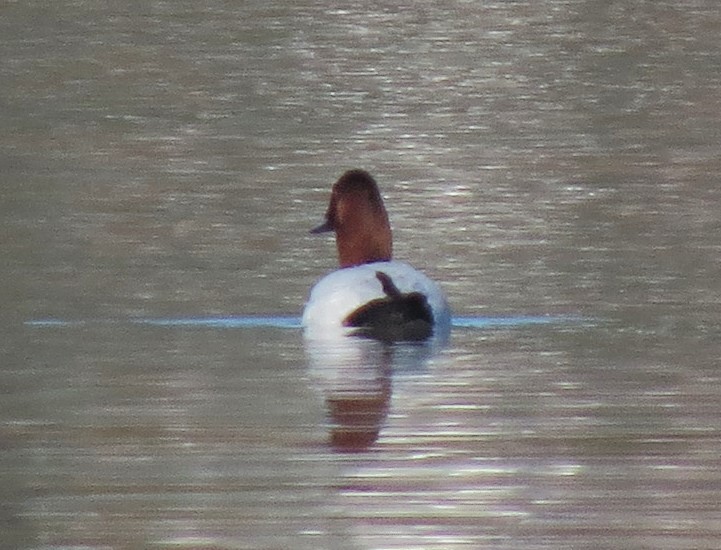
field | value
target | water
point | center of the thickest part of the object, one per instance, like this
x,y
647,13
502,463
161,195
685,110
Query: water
x,y
554,159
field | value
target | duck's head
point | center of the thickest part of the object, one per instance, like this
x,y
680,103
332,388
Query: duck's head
x,y
357,215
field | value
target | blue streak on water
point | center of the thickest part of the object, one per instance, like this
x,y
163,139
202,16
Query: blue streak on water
x,y
224,322
290,322
516,321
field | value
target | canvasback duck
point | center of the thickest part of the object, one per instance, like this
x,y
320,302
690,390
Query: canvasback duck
x,y
371,295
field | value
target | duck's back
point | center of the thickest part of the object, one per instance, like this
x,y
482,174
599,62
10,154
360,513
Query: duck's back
x,y
340,295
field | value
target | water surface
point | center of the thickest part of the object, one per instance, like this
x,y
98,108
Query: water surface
x,y
164,161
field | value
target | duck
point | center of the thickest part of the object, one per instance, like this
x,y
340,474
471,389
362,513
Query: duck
x,y
371,295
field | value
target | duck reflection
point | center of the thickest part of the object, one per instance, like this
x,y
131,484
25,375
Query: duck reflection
x,y
358,403
355,376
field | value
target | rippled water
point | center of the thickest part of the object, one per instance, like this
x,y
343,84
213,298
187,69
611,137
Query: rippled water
x,y
164,161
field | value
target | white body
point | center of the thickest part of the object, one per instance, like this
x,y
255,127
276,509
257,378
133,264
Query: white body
x,y
341,292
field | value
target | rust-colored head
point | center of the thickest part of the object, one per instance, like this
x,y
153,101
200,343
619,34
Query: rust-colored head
x,y
359,219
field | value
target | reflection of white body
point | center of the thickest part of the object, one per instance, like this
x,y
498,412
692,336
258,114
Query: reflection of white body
x,y
340,293
348,364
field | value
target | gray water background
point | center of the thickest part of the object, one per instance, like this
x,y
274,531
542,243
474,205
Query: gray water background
x,y
552,157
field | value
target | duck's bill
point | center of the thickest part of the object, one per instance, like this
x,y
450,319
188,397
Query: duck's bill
x,y
325,227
